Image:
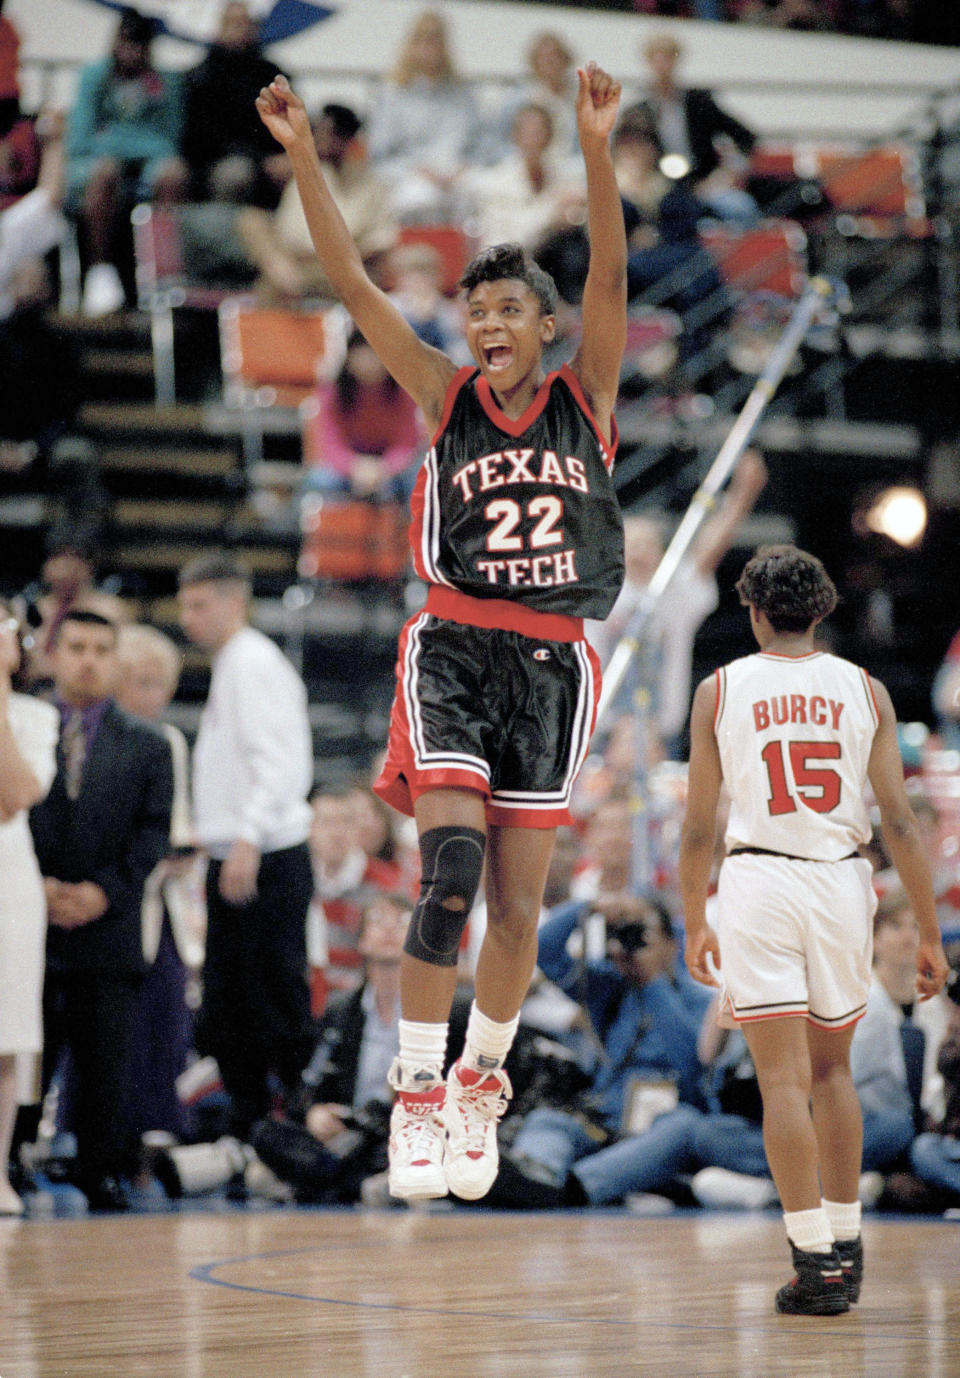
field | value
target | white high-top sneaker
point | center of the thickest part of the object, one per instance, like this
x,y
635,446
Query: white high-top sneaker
x,y
417,1135
476,1102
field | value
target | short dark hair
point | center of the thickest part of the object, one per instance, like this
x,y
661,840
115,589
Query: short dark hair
x,y
136,27
219,567
510,261
790,586
86,617
346,122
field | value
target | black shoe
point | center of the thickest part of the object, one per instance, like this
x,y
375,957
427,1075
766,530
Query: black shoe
x,y
851,1261
106,1194
818,1289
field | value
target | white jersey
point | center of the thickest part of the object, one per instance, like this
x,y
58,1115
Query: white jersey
x,y
794,735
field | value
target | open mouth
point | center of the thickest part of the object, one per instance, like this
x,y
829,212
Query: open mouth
x,y
497,355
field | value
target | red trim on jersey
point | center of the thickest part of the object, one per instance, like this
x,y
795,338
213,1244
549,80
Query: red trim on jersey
x,y
453,388
513,426
609,447
873,698
454,606
779,655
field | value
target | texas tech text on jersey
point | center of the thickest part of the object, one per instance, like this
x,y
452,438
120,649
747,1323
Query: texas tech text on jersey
x,y
520,508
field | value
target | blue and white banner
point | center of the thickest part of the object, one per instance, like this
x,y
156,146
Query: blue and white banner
x,y
198,20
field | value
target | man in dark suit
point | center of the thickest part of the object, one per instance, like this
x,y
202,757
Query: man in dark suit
x,y
689,123
98,834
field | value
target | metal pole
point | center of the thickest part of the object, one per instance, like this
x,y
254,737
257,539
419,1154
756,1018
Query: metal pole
x,y
819,292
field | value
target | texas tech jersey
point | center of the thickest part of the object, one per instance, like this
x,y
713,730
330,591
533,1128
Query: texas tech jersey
x,y
794,735
521,509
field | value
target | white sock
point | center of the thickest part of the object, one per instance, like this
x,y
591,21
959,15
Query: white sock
x,y
844,1217
423,1047
487,1042
809,1230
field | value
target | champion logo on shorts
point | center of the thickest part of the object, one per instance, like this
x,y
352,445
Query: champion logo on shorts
x,y
541,653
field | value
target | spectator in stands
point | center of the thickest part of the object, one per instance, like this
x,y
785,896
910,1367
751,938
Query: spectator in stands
x,y
123,147
230,156
34,225
688,598
98,834
67,583
279,243
667,265
551,83
808,16
344,874
19,145
173,916
377,830
364,436
415,274
425,127
894,1050
34,420
334,1135
935,1154
647,1026
28,739
691,126
252,772
531,194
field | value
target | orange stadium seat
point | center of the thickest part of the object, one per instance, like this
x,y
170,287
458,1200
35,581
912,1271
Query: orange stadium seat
x,y
770,258
877,190
452,243
269,359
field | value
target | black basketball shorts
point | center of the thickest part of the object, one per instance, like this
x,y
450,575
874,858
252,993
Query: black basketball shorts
x,y
494,710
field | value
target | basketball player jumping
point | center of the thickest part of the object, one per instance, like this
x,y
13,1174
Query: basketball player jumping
x,y
795,734
517,531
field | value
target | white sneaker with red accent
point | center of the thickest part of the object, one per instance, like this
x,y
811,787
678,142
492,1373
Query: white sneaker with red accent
x,y
417,1134
476,1102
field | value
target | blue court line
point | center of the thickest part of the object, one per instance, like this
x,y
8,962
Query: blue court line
x,y
205,1273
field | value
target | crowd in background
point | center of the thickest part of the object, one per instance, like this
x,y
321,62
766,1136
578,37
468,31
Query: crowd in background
x,y
191,1041
909,21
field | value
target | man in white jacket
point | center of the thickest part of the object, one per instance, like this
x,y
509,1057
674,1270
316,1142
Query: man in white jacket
x,y
252,773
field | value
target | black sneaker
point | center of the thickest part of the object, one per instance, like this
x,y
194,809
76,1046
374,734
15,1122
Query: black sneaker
x,y
851,1261
818,1289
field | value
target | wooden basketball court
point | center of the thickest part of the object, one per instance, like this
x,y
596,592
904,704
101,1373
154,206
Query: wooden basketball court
x,y
464,1294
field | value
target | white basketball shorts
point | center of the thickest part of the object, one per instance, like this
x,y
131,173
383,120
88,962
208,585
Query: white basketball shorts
x,y
796,938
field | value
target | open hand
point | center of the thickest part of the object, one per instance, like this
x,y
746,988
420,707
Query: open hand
x,y
598,102
284,113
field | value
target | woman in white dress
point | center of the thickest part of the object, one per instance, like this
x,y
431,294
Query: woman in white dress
x,y
28,740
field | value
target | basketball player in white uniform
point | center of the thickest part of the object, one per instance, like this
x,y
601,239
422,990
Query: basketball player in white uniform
x,y
795,734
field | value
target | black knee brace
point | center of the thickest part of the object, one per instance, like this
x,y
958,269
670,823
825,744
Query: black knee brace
x,y
452,862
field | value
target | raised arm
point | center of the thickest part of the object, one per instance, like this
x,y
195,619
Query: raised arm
x,y
420,370
720,529
902,837
604,334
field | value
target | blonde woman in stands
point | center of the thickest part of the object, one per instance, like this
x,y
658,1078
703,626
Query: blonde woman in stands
x,y
425,126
